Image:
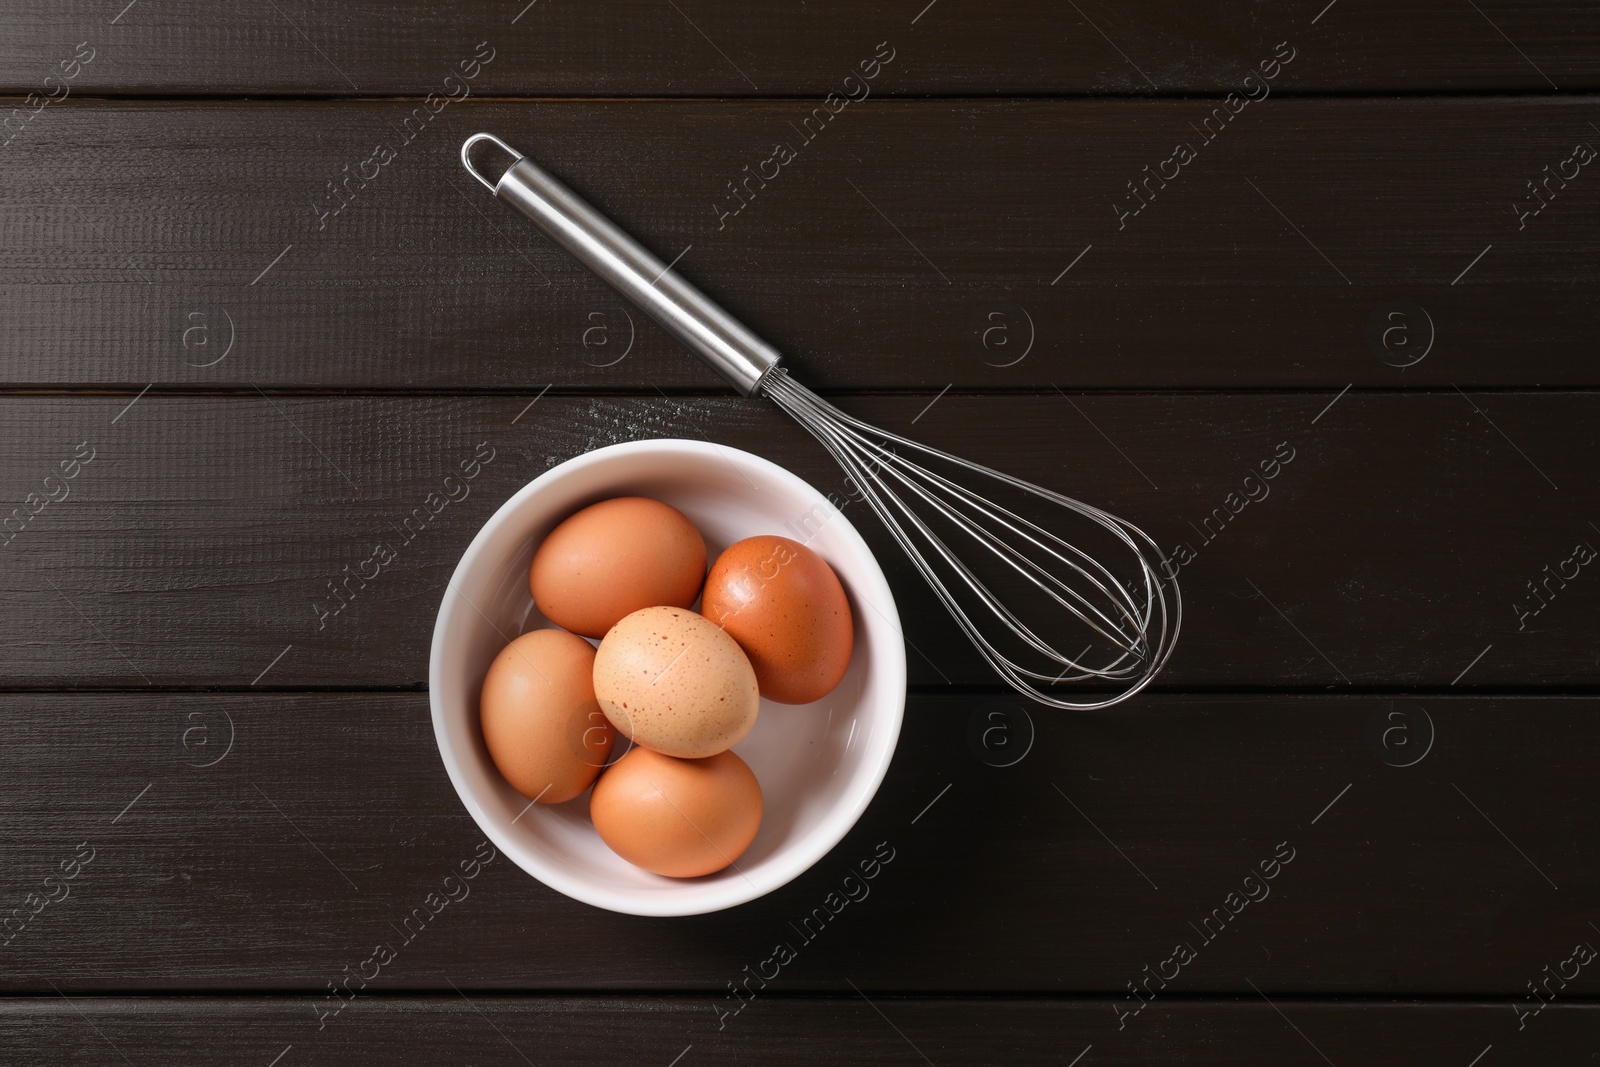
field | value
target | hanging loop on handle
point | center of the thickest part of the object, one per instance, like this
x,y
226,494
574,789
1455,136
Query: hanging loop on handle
x,y
721,341
466,155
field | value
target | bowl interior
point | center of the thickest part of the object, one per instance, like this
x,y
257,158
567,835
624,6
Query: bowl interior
x,y
818,764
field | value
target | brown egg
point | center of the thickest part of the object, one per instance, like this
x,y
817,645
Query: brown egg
x,y
543,728
785,606
613,558
679,817
672,681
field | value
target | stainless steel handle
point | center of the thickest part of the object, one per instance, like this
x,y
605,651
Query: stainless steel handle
x,y
721,341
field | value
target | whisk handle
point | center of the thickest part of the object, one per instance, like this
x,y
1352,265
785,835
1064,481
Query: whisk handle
x,y
721,341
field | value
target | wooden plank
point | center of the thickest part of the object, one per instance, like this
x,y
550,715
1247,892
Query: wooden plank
x,y
1405,540
280,860
985,244
723,48
882,1030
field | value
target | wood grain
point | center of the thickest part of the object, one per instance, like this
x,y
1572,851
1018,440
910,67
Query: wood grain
x,y
255,313
725,48
1396,547
848,1031
1112,839
985,244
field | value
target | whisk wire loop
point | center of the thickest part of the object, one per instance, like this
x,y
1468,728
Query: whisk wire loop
x,y
1135,622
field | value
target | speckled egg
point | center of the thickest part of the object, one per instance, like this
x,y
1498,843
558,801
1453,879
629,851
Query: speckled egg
x,y
673,681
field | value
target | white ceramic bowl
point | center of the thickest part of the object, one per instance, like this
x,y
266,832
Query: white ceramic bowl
x,y
819,764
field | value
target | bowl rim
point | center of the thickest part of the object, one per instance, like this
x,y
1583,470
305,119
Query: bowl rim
x,y
806,852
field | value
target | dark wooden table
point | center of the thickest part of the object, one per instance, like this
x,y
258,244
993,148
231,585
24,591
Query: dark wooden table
x,y
254,311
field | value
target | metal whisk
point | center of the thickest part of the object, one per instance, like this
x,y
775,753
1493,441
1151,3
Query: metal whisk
x,y
1126,621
